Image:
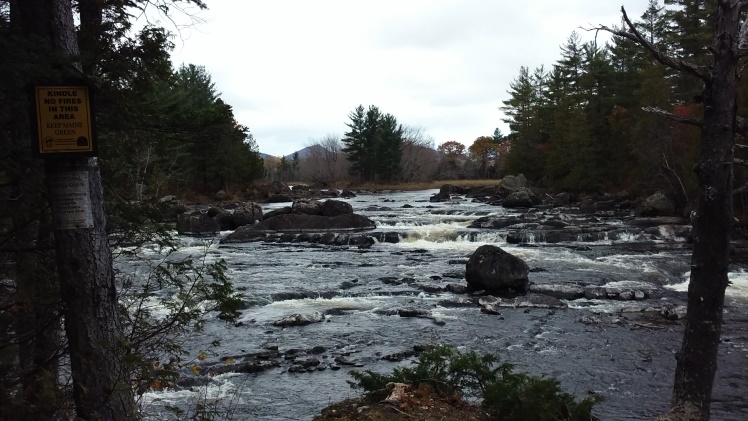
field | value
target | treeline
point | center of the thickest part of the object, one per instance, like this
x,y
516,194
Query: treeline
x,y
603,117
160,130
377,148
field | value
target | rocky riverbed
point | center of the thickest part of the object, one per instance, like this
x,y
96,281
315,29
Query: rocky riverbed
x,y
603,313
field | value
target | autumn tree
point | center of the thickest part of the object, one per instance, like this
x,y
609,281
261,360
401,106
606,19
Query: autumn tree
x,y
451,149
485,150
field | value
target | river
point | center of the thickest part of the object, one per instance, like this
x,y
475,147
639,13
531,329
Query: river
x,y
622,350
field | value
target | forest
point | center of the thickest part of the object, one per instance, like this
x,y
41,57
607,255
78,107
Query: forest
x,y
602,118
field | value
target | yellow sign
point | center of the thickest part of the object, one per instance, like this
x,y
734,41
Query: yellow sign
x,y
64,119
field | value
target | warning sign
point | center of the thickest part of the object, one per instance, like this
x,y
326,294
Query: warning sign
x,y
64,120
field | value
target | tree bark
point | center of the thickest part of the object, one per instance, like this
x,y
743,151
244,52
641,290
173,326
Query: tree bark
x,y
697,359
101,387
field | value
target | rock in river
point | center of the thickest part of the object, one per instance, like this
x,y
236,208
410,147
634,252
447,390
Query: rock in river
x,y
299,223
299,319
492,269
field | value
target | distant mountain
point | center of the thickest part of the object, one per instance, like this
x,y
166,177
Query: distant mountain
x,y
303,153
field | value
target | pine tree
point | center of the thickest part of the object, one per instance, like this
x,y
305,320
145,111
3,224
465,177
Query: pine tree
x,y
374,144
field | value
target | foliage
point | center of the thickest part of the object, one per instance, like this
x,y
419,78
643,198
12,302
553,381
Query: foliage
x,y
162,307
581,126
486,150
505,395
373,144
451,149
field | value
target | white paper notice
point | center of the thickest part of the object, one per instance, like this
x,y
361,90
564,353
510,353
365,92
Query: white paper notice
x,y
71,200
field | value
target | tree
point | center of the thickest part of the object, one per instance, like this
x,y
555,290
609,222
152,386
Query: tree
x,y
697,359
451,149
486,150
101,387
419,160
529,115
323,162
373,146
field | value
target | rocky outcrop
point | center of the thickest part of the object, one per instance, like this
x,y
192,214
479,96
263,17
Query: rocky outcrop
x,y
511,184
170,208
197,224
306,207
523,197
492,269
245,214
657,205
316,223
332,207
294,224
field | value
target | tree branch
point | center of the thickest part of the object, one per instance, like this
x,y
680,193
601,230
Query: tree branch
x,y
674,117
633,34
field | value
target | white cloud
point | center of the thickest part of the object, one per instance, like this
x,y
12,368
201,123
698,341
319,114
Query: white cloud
x,y
294,69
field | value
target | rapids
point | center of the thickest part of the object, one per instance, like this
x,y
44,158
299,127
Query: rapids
x,y
621,350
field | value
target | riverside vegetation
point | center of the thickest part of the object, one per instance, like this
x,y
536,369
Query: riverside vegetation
x,y
443,378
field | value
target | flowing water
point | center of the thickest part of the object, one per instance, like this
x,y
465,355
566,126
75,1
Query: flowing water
x,y
621,350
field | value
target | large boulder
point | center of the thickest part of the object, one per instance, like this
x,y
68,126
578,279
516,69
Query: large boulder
x,y
521,198
657,205
245,214
197,224
170,208
332,207
446,191
492,269
306,207
510,184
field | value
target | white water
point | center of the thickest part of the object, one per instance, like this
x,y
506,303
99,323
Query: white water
x,y
736,291
552,343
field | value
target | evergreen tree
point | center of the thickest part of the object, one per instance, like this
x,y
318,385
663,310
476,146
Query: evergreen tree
x,y
373,144
390,148
526,111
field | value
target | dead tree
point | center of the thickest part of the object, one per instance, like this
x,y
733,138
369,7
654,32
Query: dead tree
x,y
697,359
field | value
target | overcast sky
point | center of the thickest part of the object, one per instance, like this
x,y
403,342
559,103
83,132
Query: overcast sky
x,y
294,69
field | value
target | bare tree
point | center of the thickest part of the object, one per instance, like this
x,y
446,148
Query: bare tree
x,y
325,161
420,159
697,359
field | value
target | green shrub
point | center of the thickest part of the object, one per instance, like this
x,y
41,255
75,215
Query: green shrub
x,y
505,395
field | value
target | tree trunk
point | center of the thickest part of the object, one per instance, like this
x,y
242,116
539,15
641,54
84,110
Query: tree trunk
x,y
101,388
697,359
